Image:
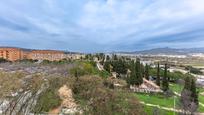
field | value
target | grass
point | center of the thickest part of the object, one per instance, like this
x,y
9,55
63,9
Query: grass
x,y
156,100
150,110
176,87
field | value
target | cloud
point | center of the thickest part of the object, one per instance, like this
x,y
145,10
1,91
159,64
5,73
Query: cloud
x,y
8,24
98,25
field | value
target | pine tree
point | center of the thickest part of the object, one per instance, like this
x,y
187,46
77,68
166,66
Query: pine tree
x,y
165,83
158,75
147,72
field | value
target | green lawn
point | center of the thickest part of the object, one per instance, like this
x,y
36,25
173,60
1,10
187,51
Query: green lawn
x,y
175,87
150,110
157,100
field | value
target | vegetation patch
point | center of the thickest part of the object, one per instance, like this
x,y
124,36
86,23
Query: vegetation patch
x,y
49,99
97,99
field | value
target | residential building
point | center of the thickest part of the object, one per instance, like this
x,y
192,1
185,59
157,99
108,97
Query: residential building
x,y
50,55
11,54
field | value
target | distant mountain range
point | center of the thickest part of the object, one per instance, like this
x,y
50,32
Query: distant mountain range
x,y
168,51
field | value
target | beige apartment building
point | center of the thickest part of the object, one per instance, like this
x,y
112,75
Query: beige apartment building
x,y
50,55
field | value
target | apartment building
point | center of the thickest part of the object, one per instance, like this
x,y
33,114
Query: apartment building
x,y
14,54
50,55
11,54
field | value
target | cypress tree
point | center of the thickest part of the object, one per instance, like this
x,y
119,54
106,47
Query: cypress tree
x,y
158,75
132,79
189,95
187,84
165,84
147,72
194,95
138,72
142,70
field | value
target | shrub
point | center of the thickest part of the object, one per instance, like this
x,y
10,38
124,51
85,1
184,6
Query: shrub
x,y
2,60
97,99
49,99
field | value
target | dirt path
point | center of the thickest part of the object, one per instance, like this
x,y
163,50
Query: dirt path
x,y
68,105
54,111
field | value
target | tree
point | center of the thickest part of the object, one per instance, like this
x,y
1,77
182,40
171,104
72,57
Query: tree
x,y
189,96
132,79
142,70
138,72
165,83
115,57
135,77
119,66
147,72
194,93
187,84
107,65
158,75
107,58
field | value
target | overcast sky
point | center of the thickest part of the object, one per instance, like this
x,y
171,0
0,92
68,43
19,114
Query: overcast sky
x,y
102,25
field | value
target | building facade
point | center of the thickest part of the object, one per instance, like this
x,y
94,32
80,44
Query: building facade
x,y
14,54
11,54
46,55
